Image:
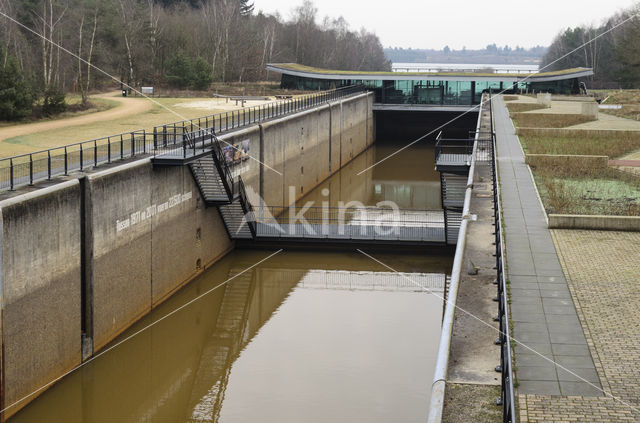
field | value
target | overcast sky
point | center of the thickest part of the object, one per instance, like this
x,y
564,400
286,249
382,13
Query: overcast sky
x,y
456,23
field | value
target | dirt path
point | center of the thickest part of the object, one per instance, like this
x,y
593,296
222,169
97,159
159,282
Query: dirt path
x,y
128,106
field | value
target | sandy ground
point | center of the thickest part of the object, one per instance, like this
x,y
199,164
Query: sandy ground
x,y
128,106
221,104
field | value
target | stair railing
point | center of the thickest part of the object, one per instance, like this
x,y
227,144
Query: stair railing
x,y
221,164
247,208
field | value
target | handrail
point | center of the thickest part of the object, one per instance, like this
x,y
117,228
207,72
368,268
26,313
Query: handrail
x,y
26,169
439,377
507,394
247,208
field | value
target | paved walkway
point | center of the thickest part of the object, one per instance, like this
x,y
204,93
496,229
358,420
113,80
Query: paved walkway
x,y
544,316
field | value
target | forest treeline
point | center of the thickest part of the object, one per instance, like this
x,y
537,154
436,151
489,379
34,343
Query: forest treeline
x,y
176,43
614,56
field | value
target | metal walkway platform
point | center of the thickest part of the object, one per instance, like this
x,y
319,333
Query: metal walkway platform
x,y
203,153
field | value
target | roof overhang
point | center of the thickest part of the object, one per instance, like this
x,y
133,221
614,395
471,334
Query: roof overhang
x,y
294,69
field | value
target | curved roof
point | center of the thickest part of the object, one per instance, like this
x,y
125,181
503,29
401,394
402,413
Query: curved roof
x,y
295,69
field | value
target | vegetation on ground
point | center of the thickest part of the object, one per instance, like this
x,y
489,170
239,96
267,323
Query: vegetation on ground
x,y
509,97
571,186
620,96
628,111
583,143
575,189
524,107
628,99
548,120
471,403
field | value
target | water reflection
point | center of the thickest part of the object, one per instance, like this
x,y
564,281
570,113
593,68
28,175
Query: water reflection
x,y
408,178
292,340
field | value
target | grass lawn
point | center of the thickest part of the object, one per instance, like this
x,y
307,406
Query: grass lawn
x,y
583,143
524,107
629,99
548,120
67,135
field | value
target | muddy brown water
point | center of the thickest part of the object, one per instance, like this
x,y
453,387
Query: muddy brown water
x,y
303,337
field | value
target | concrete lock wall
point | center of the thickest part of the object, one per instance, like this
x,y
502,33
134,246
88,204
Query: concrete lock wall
x,y
302,150
41,288
84,259
149,226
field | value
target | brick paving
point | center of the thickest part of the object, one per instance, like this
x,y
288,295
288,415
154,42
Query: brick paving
x,y
603,274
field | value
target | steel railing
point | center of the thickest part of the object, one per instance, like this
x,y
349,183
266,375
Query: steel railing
x,y
507,396
226,121
350,223
26,169
452,149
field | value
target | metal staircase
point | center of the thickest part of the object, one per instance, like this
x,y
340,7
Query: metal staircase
x,y
202,152
212,189
453,188
453,160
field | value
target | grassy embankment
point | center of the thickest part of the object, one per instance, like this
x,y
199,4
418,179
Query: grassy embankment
x,y
628,99
523,107
548,120
573,188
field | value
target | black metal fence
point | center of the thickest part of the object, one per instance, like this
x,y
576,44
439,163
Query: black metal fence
x,y
42,165
29,168
452,149
365,223
226,121
507,397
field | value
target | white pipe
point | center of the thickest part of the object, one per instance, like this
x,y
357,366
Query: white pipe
x,y
440,374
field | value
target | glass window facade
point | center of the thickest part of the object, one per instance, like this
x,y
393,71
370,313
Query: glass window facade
x,y
434,92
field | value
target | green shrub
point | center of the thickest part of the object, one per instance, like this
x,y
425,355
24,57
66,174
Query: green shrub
x,y
179,70
202,74
54,101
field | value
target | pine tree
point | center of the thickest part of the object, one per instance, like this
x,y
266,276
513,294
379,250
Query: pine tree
x,y
16,97
202,74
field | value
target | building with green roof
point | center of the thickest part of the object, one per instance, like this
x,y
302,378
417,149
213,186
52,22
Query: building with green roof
x,y
430,90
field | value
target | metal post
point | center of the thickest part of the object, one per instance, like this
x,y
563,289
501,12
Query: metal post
x,y
121,147
109,146
66,161
30,169
11,173
164,135
49,164
95,153
133,145
81,158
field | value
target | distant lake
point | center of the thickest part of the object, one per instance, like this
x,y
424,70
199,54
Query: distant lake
x,y
471,67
